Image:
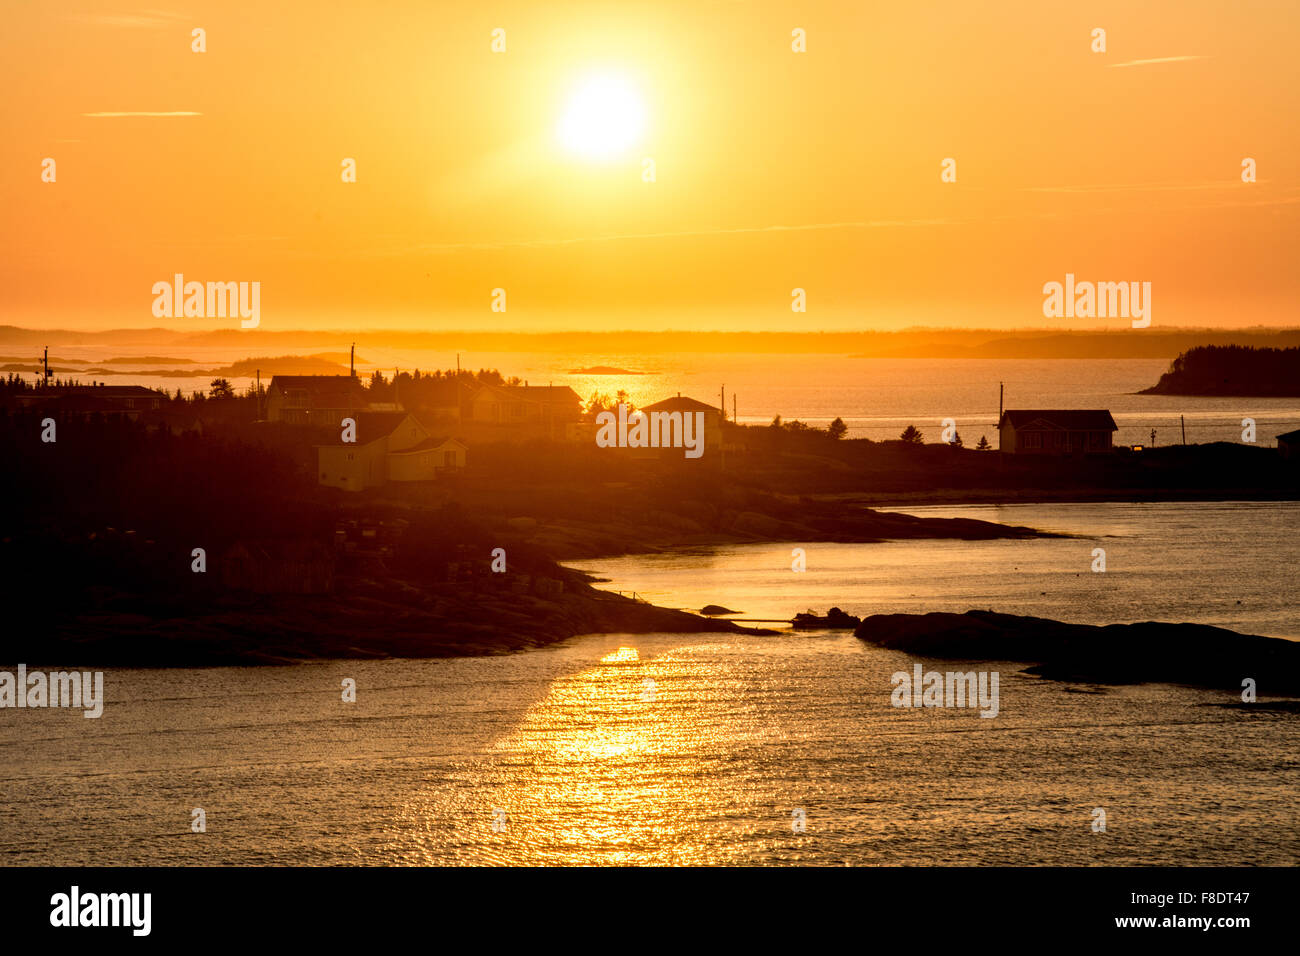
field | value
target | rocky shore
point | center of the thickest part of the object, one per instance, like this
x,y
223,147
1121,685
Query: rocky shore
x,y
371,618
1150,651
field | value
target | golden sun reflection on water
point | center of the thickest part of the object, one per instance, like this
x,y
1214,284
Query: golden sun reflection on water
x,y
617,764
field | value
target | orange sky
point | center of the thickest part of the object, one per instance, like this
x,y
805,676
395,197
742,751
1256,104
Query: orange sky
x,y
774,169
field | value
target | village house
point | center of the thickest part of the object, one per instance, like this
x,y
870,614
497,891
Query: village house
x,y
441,402
1056,431
389,447
1288,445
317,400
84,401
713,419
548,405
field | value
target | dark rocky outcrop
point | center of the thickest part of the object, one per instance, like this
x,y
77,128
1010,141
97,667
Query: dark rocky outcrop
x,y
1149,651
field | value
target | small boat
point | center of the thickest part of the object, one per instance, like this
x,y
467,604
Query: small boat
x,y
835,620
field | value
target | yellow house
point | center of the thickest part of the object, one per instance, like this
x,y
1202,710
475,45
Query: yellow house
x,y
424,461
363,463
388,447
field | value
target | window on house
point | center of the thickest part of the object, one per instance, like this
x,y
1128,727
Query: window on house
x,y
1033,440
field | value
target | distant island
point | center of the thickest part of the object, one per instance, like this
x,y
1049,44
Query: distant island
x,y
604,370
1232,370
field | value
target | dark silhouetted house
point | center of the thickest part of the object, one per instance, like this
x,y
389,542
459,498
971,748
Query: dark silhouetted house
x,y
317,400
389,447
1288,445
441,402
1056,431
525,405
679,405
85,401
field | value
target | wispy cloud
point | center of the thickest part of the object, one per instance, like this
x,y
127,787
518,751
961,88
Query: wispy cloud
x,y
144,20
1158,59
619,237
141,113
1136,187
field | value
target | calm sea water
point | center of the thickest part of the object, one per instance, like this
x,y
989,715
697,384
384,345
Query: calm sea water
x,y
590,766
877,398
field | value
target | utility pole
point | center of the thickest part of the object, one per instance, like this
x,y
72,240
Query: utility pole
x,y
1183,421
724,403
1153,438
259,395
734,419
1001,387
352,361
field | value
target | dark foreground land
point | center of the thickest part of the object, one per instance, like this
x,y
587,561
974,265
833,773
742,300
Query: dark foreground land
x,y
1193,654
137,546
124,542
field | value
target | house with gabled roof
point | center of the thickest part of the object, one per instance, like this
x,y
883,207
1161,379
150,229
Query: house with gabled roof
x,y
525,405
84,401
388,447
1288,445
316,400
1056,431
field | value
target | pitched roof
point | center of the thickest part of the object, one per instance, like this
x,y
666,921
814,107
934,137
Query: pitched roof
x,y
547,394
679,404
1087,419
1289,436
97,391
371,426
322,388
430,444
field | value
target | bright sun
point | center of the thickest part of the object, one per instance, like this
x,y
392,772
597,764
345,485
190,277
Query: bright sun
x,y
603,118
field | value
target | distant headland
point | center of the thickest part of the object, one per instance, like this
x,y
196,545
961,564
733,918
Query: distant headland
x,y
1232,370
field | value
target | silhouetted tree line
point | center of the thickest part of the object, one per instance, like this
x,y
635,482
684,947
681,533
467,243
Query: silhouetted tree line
x,y
416,390
117,504
1232,370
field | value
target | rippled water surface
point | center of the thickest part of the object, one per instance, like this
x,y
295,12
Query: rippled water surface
x,y
699,748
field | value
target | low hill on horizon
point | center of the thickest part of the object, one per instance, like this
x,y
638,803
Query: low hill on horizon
x,y
1232,370
908,343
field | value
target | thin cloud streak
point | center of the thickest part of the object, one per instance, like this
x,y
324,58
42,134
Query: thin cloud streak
x,y
1159,59
141,113
537,243
1134,187
146,19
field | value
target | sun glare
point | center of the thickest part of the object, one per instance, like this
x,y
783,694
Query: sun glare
x,y
603,117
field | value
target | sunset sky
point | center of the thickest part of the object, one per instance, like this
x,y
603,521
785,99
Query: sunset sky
x,y
774,169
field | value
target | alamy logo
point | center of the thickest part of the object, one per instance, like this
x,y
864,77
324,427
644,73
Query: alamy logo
x,y
58,689
103,909
1099,300
934,689
655,430
215,300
